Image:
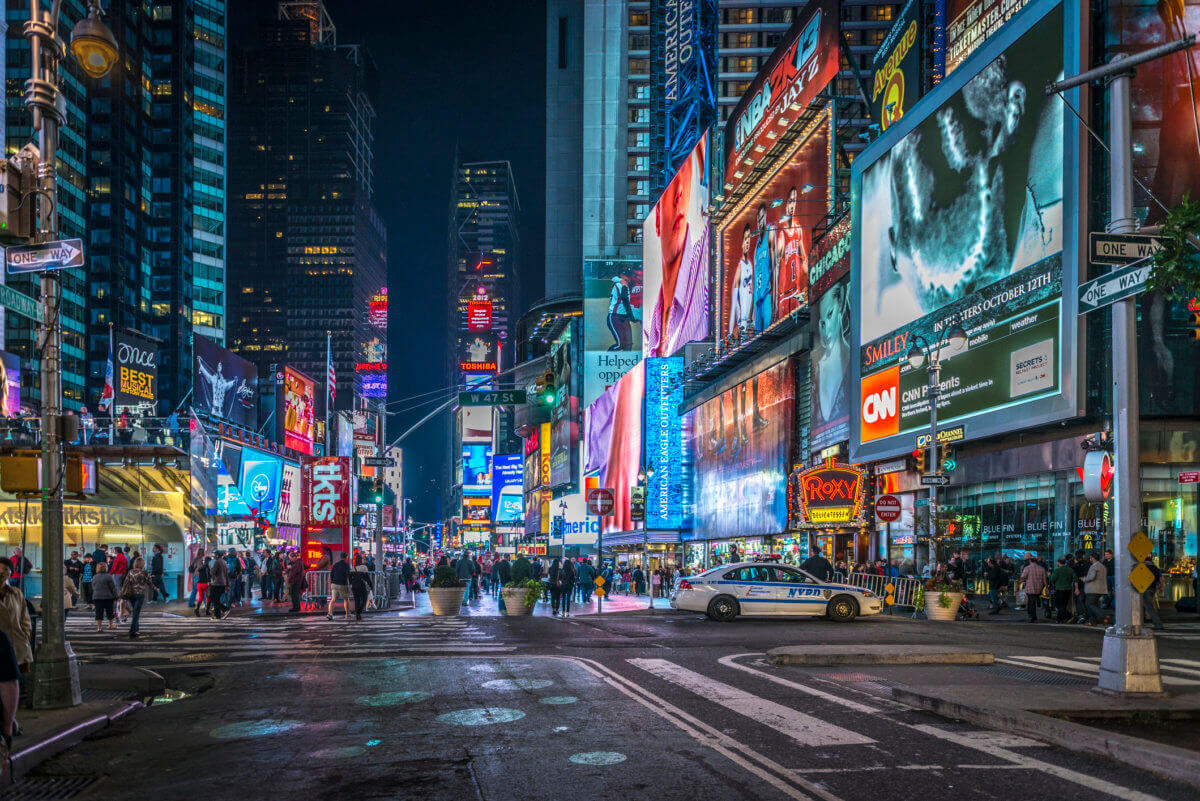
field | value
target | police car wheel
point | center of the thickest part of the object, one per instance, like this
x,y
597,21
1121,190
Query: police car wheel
x,y
723,609
842,609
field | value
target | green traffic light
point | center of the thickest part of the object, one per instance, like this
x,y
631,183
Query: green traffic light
x,y
949,464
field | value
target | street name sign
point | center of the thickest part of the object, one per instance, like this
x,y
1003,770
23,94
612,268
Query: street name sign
x,y
55,255
944,435
19,302
936,480
378,461
1116,285
600,501
491,397
1121,248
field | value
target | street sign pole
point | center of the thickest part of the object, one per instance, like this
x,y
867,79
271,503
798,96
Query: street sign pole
x,y
600,559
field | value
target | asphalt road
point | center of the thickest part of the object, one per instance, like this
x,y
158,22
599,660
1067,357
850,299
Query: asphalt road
x,y
665,707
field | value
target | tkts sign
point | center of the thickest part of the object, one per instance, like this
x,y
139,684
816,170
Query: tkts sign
x,y
827,495
325,492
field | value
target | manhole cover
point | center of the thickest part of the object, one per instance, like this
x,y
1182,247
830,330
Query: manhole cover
x,y
47,788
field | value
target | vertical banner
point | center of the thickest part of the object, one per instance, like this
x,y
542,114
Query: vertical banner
x,y
668,487
135,368
325,506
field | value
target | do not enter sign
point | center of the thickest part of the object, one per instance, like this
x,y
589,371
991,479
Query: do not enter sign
x,y
887,508
600,501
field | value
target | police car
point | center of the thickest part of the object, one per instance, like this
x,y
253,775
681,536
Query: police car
x,y
761,588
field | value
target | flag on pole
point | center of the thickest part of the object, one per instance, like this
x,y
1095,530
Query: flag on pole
x,y
331,376
106,397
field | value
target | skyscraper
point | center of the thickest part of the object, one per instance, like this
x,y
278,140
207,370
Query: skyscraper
x,y
309,249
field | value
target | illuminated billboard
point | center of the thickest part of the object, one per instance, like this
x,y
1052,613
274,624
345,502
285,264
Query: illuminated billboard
x,y
765,242
508,494
829,409
564,417
289,495
675,258
668,487
970,22
377,310
10,384
476,423
259,484
961,218
476,469
612,322
224,385
614,431
135,373
741,444
479,353
296,410
799,68
896,80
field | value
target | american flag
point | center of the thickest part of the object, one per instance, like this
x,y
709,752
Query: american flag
x,y
331,376
106,398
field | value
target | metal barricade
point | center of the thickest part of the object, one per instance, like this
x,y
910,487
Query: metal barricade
x,y
904,588
318,586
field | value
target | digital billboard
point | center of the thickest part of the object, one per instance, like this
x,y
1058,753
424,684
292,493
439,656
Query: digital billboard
x,y
683,69
602,370
479,353
289,495
896,66
765,242
829,408
10,384
477,469
224,385
970,22
668,487
960,219
564,417
614,430
612,322
377,310
800,67
259,483
508,495
675,256
741,445
135,373
324,505
476,424
296,410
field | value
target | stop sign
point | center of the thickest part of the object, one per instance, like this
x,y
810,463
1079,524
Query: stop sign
x,y
887,508
600,501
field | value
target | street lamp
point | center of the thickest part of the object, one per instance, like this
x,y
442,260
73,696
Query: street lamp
x,y
919,355
56,675
643,477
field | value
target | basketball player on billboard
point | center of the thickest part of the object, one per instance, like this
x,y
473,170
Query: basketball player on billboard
x,y
791,258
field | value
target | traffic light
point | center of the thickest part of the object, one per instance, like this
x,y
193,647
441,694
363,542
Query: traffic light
x,y
946,458
1194,319
546,391
377,491
919,460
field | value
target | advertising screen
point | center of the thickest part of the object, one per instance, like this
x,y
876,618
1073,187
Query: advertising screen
x,y
961,221
612,304
479,353
476,423
377,310
10,384
765,243
289,495
564,417
485,381
477,469
374,385
135,373
297,410
829,410
668,488
224,385
614,428
324,505
797,70
507,491
896,82
259,483
675,255
741,444
970,22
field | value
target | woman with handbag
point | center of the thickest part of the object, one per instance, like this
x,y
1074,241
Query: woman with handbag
x,y
133,589
16,655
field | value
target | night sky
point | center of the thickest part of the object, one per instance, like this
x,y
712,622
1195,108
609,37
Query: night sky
x,y
451,71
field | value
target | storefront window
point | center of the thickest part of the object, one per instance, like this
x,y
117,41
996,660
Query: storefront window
x,y
791,549
1169,515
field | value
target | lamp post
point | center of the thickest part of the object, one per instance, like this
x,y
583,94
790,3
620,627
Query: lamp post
x,y
644,475
920,354
56,675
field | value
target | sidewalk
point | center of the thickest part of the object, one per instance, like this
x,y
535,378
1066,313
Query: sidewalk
x,y
110,692
254,606
489,606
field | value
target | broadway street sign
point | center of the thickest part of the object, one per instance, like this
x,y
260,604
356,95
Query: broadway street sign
x,y
1116,285
19,302
48,256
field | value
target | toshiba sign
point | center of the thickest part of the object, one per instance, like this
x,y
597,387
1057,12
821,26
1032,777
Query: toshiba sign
x,y
880,410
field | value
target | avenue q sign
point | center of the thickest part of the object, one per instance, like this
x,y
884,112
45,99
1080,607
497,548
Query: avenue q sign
x,y
827,495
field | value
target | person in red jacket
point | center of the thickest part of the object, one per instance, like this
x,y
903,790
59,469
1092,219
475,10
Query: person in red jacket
x,y
117,569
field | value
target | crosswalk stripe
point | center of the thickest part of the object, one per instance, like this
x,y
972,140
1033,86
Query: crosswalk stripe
x,y
804,729
1083,668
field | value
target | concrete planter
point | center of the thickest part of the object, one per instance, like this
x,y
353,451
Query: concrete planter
x,y
934,609
514,602
446,600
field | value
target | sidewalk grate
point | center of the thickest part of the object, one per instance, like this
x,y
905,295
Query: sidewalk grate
x,y
47,788
1036,676
107,695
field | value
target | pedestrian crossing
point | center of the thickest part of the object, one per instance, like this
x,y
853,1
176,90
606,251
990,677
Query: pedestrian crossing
x,y
1175,672
169,641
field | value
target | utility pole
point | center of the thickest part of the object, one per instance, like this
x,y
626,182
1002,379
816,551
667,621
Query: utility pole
x,y
1129,659
380,449
56,674
935,384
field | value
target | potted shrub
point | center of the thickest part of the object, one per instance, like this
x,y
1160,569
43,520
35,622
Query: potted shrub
x,y
523,591
446,591
942,596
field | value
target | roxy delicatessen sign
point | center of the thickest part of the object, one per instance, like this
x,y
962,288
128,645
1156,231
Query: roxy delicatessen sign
x,y
829,495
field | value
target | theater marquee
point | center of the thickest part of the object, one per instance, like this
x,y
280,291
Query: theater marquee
x,y
829,495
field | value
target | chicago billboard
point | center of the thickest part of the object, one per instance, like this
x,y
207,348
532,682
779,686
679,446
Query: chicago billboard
x,y
224,385
675,257
961,218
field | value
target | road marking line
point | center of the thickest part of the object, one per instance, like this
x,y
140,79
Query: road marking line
x,y
846,702
1013,661
804,729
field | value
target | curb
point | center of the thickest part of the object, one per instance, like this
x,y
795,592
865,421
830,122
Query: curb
x,y
790,655
25,760
1167,761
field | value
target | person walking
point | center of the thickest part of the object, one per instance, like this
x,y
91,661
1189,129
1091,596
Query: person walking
x,y
818,566
133,590
16,654
104,597
466,574
567,576
297,582
339,586
997,580
1033,579
203,574
118,569
276,570
408,572
555,585
586,581
503,573
156,574
1095,585
85,578
1062,580
218,585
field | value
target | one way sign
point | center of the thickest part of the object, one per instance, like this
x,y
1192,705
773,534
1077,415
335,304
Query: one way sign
x,y
48,256
1116,285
